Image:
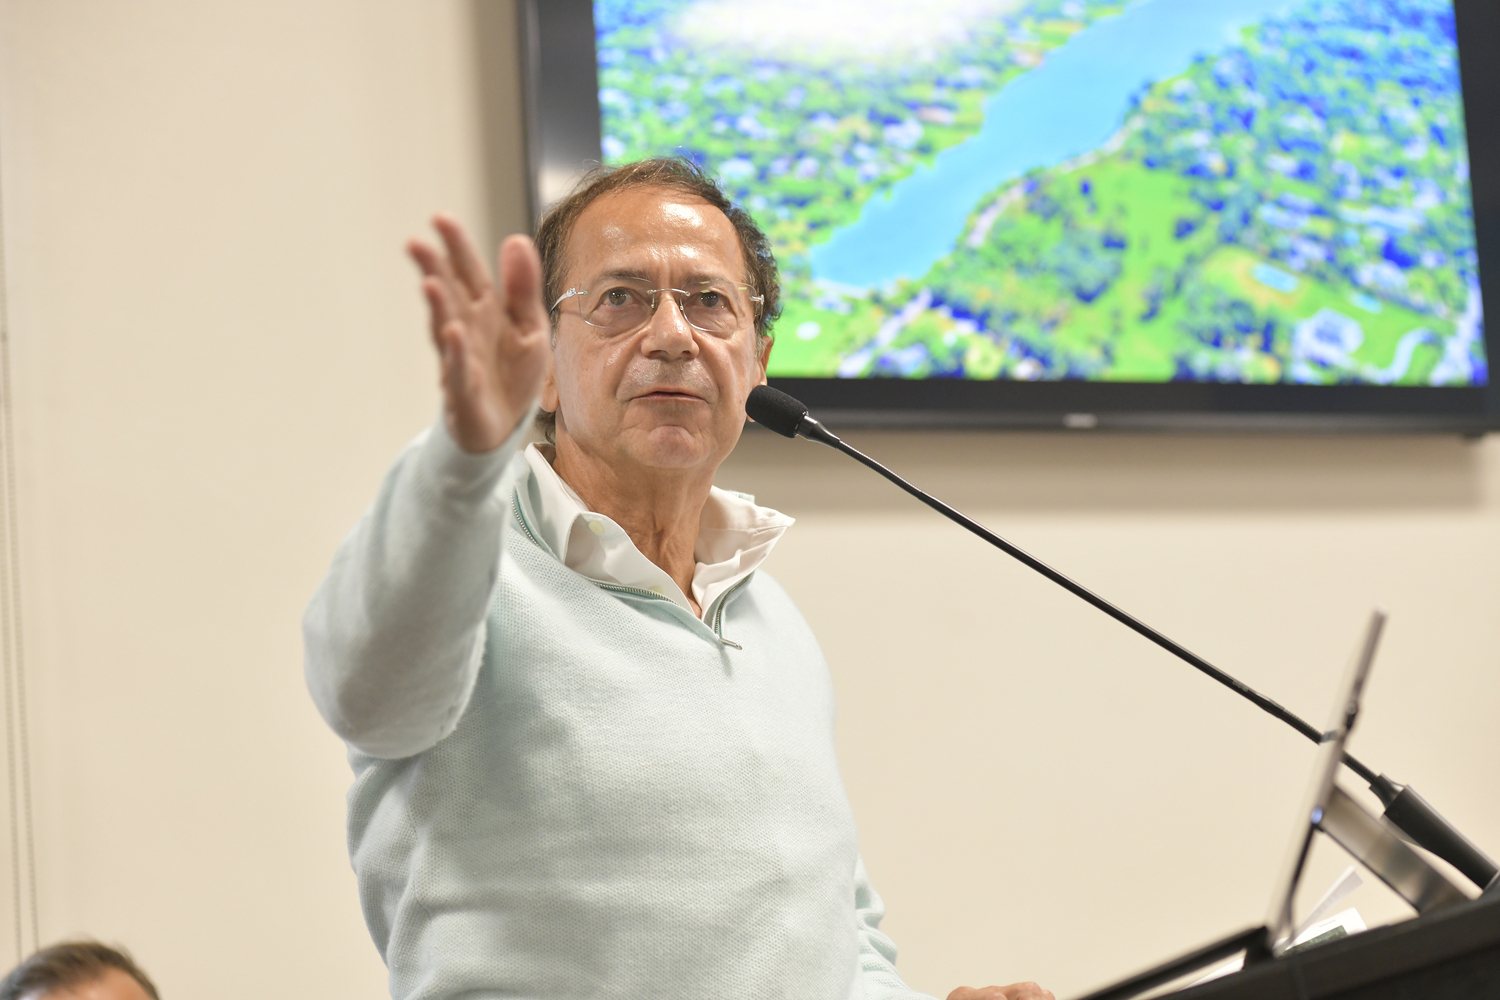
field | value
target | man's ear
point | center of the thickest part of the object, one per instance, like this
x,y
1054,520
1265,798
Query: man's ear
x,y
548,397
765,358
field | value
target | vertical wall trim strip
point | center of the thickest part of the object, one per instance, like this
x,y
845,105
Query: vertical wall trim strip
x,y
18,737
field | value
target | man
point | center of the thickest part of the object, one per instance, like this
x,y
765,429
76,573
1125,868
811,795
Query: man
x,y
593,745
77,970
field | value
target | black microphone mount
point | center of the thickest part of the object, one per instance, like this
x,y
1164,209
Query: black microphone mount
x,y
1404,808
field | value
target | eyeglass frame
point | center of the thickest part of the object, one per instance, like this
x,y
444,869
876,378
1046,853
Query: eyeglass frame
x,y
757,303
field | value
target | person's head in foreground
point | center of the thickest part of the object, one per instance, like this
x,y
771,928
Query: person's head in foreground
x,y
78,970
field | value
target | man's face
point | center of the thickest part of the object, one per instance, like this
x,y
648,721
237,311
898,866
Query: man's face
x,y
663,395
113,985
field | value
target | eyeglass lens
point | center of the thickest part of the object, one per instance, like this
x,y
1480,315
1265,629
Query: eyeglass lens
x,y
711,306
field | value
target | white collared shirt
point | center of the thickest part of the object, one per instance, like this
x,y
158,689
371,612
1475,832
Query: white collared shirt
x,y
734,537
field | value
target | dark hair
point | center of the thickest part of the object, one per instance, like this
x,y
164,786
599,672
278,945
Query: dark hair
x,y
72,963
674,173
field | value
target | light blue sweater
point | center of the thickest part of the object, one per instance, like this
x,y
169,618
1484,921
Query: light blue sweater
x,y
569,791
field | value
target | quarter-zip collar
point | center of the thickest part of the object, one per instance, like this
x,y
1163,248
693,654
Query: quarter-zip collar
x,y
735,536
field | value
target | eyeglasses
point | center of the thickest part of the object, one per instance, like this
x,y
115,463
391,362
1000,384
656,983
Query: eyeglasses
x,y
621,305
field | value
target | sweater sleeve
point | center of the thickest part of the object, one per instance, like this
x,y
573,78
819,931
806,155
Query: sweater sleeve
x,y
877,952
394,635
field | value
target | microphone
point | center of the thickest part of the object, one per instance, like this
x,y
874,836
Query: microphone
x,y
1404,808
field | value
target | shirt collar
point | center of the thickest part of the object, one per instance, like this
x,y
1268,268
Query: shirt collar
x,y
734,537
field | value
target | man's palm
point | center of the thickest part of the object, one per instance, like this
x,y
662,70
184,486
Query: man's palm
x,y
492,341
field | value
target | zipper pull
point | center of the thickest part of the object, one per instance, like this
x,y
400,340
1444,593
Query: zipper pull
x,y
718,626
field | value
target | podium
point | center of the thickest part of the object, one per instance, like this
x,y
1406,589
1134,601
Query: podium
x,y
1450,954
1451,950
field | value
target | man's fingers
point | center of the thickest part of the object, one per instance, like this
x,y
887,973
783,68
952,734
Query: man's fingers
x,y
440,306
467,264
521,283
1027,991
1016,991
432,262
438,267
424,255
453,362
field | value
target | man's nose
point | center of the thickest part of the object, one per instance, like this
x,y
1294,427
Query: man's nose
x,y
669,336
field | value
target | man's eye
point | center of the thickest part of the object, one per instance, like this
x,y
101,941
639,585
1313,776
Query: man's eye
x,y
617,297
710,300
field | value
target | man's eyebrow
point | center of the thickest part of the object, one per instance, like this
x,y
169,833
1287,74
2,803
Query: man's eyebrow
x,y
625,274
621,275
709,276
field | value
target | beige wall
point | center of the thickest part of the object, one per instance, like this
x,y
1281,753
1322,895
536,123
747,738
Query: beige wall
x,y
217,348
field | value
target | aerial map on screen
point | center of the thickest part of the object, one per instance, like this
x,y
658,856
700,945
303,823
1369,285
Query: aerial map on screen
x,y
1261,191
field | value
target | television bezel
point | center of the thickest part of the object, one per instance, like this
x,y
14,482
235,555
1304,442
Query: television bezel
x,y
562,132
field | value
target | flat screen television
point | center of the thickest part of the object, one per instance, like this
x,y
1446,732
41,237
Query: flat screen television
x,y
1249,214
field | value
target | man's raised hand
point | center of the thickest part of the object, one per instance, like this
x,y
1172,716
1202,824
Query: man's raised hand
x,y
1017,991
492,342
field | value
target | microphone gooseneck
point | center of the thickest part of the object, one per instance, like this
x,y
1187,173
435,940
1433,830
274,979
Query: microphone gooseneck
x,y
789,417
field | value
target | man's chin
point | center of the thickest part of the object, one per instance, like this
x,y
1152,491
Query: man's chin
x,y
672,446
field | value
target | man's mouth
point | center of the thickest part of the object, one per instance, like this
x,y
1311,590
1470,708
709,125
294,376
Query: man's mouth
x,y
670,394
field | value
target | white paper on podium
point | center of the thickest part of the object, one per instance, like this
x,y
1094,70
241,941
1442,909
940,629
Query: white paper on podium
x,y
1315,928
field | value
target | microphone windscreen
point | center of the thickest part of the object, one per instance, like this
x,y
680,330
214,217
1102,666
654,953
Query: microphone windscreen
x,y
775,410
